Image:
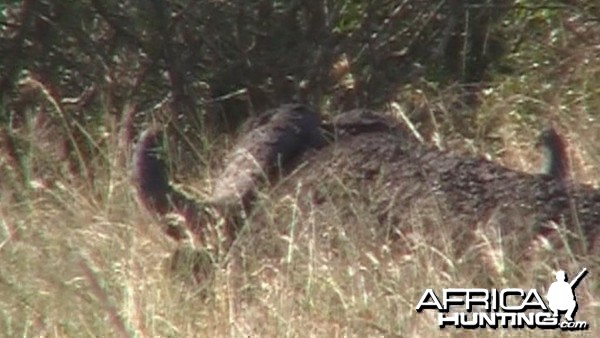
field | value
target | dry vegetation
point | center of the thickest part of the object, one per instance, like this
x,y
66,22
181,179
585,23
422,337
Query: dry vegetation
x,y
77,262
80,257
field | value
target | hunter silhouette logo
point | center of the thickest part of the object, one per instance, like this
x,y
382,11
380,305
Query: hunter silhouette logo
x,y
561,294
507,308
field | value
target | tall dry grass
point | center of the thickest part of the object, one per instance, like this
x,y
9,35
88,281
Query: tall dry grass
x,y
81,264
77,261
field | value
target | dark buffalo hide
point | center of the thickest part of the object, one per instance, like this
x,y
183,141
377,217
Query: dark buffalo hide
x,y
368,161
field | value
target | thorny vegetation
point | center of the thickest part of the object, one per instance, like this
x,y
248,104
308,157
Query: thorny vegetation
x,y
80,79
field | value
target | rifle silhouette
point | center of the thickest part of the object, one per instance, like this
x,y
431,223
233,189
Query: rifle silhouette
x,y
578,278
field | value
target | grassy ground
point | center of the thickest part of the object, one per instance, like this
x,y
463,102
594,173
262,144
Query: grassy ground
x,y
82,263
78,261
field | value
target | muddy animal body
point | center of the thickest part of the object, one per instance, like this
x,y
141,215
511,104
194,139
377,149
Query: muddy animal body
x,y
468,191
268,150
274,140
372,156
